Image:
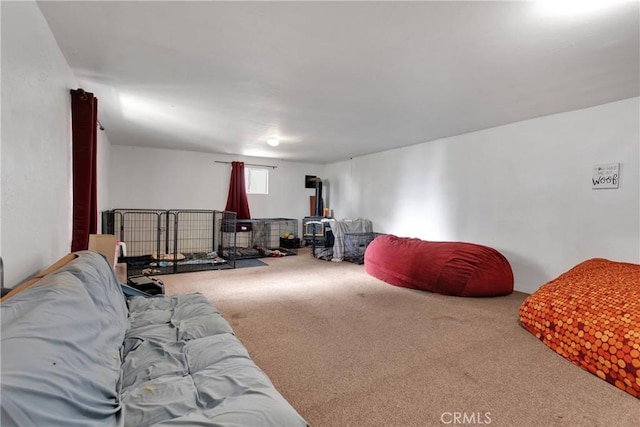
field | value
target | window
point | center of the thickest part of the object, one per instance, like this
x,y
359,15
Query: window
x,y
256,180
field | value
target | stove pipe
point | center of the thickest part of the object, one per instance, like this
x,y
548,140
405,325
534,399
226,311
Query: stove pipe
x,y
319,204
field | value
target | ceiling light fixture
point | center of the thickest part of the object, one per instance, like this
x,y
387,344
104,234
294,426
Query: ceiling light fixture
x,y
273,141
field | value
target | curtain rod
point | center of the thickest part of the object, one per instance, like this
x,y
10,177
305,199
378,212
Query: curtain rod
x,y
250,164
83,96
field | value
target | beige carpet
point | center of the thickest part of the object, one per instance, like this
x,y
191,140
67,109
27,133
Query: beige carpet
x,y
349,350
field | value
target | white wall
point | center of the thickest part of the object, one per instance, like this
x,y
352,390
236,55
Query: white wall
x,y
36,144
153,178
103,170
524,189
1,266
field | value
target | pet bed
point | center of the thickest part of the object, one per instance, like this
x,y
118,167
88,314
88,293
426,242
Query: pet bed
x,y
168,257
448,268
590,315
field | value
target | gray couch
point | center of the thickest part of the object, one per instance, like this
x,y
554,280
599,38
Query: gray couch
x,y
75,352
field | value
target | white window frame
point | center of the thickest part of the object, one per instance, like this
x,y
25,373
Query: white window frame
x,y
256,179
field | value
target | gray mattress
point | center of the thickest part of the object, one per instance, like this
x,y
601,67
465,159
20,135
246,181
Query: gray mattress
x,y
75,353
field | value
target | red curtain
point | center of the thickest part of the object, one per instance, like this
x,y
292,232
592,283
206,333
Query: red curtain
x,y
84,120
237,198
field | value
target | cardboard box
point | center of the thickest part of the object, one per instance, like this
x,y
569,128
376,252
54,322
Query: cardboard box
x,y
106,244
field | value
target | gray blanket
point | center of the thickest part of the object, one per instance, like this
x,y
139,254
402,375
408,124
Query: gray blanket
x,y
183,366
61,342
340,228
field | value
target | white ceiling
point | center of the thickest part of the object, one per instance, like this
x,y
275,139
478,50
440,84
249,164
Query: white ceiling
x,y
337,79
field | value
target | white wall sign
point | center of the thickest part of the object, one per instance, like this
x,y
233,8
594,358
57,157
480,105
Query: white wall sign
x,y
605,176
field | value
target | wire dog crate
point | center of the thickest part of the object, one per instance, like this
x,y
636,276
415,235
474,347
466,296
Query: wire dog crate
x,y
355,245
273,233
260,237
171,241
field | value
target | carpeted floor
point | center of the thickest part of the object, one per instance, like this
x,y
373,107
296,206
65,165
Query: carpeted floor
x,y
349,350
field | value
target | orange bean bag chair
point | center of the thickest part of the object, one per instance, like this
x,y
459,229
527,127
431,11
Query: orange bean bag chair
x,y
448,268
590,315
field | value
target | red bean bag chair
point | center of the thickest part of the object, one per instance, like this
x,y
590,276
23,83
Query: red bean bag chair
x,y
448,268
